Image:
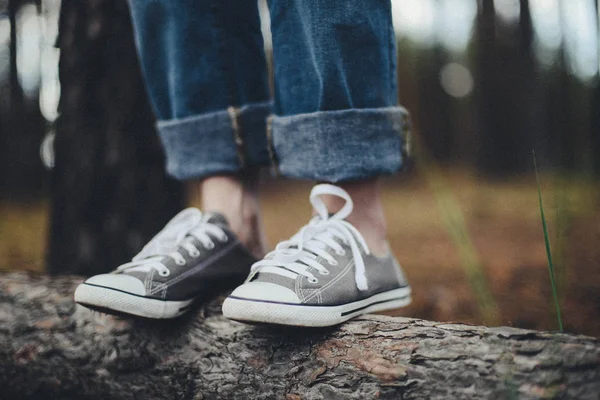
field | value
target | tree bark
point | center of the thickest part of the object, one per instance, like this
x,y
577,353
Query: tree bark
x,y
50,349
110,193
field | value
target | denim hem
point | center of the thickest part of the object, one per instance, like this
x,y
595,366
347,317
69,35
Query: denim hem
x,y
218,142
342,145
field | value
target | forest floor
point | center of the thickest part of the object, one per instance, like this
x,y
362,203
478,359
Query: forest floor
x,y
502,220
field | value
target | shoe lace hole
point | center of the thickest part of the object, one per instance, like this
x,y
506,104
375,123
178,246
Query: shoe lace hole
x,y
333,263
180,262
210,245
324,272
224,239
341,252
313,280
194,254
164,272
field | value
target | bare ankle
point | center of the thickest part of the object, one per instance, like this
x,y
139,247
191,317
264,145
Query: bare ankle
x,y
367,216
236,197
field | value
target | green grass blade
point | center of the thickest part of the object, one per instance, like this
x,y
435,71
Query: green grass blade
x,y
562,224
547,242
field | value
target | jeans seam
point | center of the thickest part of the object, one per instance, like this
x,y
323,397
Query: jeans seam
x,y
271,146
238,138
391,43
406,137
405,129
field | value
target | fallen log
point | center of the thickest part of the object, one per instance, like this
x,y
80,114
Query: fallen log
x,y
52,349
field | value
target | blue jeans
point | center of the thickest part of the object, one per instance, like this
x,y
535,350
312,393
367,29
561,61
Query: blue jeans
x,y
334,114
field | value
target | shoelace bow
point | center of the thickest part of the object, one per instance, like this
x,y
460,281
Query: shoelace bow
x,y
294,256
176,236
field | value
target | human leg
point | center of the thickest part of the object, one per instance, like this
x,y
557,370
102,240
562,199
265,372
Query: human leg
x,y
236,198
336,120
205,73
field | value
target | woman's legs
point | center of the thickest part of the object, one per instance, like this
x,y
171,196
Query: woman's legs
x,y
336,120
336,115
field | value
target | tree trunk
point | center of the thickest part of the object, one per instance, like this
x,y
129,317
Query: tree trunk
x,y
507,91
50,349
437,132
21,125
595,134
595,103
109,189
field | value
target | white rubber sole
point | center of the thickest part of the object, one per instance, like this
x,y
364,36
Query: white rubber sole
x,y
111,300
265,312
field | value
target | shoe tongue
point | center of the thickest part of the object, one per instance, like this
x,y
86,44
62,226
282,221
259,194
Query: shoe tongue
x,y
216,219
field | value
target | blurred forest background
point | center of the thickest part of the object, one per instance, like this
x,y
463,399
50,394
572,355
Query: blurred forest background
x,y
487,83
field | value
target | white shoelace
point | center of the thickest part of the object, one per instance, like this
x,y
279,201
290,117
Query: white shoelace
x,y
176,236
294,257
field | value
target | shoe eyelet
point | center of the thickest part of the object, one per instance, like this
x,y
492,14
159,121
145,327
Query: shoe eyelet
x,y
325,272
210,245
313,280
181,262
194,254
341,252
164,272
333,263
224,239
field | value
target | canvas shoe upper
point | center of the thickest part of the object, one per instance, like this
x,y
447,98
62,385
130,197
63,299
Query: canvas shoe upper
x,y
195,255
323,275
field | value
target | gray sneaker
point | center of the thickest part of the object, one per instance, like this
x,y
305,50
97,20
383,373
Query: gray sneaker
x,y
195,256
324,275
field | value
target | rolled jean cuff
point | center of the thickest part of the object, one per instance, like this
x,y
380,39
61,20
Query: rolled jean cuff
x,y
343,145
218,142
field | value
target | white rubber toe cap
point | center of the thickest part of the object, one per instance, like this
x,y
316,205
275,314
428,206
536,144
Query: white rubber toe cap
x,y
266,291
125,283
